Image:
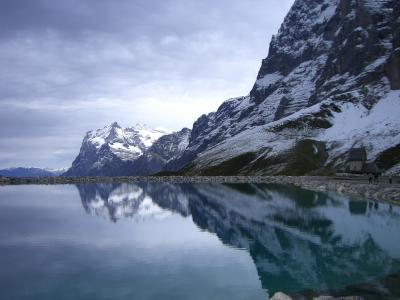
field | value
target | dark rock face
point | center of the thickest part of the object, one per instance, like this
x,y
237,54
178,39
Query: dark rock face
x,y
280,112
307,156
393,69
389,158
327,52
84,161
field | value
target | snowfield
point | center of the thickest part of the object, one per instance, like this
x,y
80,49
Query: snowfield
x,y
377,129
126,143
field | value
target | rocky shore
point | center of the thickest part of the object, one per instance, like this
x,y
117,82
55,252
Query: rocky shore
x,y
351,186
282,296
354,187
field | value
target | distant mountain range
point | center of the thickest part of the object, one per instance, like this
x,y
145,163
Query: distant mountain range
x,y
331,82
30,172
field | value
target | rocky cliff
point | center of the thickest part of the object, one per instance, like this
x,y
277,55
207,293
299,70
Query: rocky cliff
x,y
330,82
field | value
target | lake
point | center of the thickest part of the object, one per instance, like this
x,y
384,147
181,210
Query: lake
x,y
193,241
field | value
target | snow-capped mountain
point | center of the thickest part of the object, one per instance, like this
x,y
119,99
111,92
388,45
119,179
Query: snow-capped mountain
x,y
331,81
126,143
114,150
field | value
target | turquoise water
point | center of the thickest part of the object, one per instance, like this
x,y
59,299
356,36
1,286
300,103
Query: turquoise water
x,y
192,241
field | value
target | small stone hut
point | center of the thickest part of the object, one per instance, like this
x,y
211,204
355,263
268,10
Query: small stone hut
x,y
357,162
357,159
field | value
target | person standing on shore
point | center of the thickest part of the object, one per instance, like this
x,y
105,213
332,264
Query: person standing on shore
x,y
376,177
390,179
370,179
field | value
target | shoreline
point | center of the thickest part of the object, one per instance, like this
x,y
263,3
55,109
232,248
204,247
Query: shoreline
x,y
351,186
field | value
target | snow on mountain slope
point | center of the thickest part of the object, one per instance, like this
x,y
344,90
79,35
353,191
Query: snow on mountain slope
x,y
351,125
127,143
377,129
117,151
172,145
112,150
167,148
327,84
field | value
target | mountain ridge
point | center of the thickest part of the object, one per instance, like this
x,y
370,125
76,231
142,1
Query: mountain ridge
x,y
30,172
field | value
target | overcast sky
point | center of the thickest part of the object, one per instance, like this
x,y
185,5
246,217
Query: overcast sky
x,y
69,66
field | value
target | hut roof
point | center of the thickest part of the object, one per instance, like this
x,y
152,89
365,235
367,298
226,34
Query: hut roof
x,y
358,154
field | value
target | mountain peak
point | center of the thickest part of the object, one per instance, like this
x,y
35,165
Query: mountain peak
x,y
115,125
141,126
113,150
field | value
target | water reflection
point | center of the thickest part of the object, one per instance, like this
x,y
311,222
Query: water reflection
x,y
297,239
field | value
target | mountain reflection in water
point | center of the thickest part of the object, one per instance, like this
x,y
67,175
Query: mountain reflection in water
x,y
298,239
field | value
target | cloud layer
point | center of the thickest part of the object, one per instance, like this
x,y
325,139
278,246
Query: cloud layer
x,y
71,66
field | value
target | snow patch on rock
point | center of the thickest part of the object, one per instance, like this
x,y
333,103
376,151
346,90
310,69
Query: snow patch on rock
x,y
377,129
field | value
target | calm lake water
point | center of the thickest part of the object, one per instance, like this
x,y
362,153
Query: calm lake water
x,y
193,241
